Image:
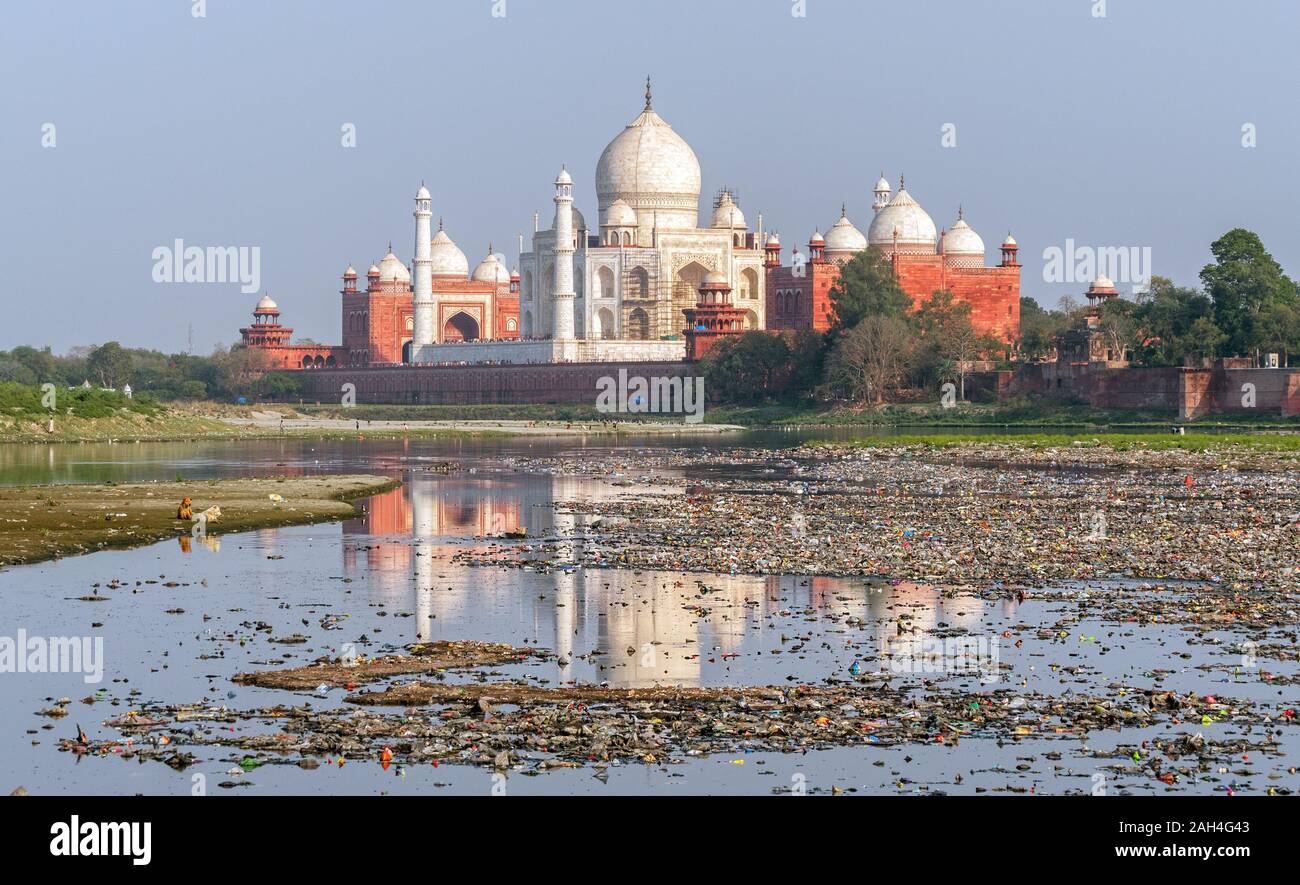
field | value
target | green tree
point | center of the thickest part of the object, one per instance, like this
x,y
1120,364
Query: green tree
x,y
1243,282
872,359
748,367
1039,329
1164,320
1205,338
110,364
866,287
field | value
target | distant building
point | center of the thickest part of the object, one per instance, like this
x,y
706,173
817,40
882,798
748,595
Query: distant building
x,y
630,289
924,261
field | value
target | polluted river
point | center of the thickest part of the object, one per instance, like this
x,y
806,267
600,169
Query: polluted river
x,y
747,614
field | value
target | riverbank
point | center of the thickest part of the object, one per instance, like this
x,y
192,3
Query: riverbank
x,y
214,421
47,522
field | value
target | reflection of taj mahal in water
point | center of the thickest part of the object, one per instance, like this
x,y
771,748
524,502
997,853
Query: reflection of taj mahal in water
x,y
650,628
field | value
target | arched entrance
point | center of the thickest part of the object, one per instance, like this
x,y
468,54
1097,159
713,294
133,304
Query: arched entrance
x,y
460,327
638,325
604,322
406,351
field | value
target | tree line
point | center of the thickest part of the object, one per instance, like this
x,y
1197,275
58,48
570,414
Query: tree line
x,y
226,374
879,349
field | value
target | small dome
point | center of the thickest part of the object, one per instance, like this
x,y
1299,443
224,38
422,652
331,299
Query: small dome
x,y
882,184
422,193
816,237
844,236
374,271
727,214
350,273
905,222
446,260
491,270
1102,284
514,274
1009,241
715,279
579,221
962,241
266,305
773,239
564,177
620,214
392,270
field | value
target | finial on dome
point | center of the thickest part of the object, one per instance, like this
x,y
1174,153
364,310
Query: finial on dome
x,y
390,245
844,210
901,180
647,92
439,222
960,213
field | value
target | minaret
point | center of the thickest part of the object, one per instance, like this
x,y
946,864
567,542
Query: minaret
x,y
423,297
564,249
881,194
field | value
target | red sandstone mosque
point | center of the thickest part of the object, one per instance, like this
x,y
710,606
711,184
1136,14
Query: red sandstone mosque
x,y
651,284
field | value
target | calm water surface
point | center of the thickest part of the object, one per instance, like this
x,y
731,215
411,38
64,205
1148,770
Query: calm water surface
x,y
387,578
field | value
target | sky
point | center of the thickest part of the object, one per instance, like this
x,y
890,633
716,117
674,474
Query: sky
x,y
125,126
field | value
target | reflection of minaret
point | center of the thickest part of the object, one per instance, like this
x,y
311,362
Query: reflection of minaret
x,y
423,528
566,595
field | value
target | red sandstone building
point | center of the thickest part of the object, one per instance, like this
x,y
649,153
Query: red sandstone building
x,y
798,295
378,322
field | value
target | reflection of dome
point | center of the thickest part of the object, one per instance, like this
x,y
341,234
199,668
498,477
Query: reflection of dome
x,y
266,305
904,218
727,214
844,236
491,270
961,245
652,169
446,260
391,269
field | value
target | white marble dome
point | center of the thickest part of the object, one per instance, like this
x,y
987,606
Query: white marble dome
x,y
652,169
727,215
844,236
903,216
266,305
962,245
446,259
392,270
620,214
491,270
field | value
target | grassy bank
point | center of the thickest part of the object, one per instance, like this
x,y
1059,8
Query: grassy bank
x,y
1016,414
46,522
1119,442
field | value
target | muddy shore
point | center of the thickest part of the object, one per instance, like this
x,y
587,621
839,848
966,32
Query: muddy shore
x,y
47,522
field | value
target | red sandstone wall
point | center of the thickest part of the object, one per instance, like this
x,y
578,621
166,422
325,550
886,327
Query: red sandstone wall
x,y
470,385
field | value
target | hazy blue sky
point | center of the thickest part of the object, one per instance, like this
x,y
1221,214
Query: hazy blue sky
x,y
225,130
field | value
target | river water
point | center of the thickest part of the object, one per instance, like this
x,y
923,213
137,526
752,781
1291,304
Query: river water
x,y
187,615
